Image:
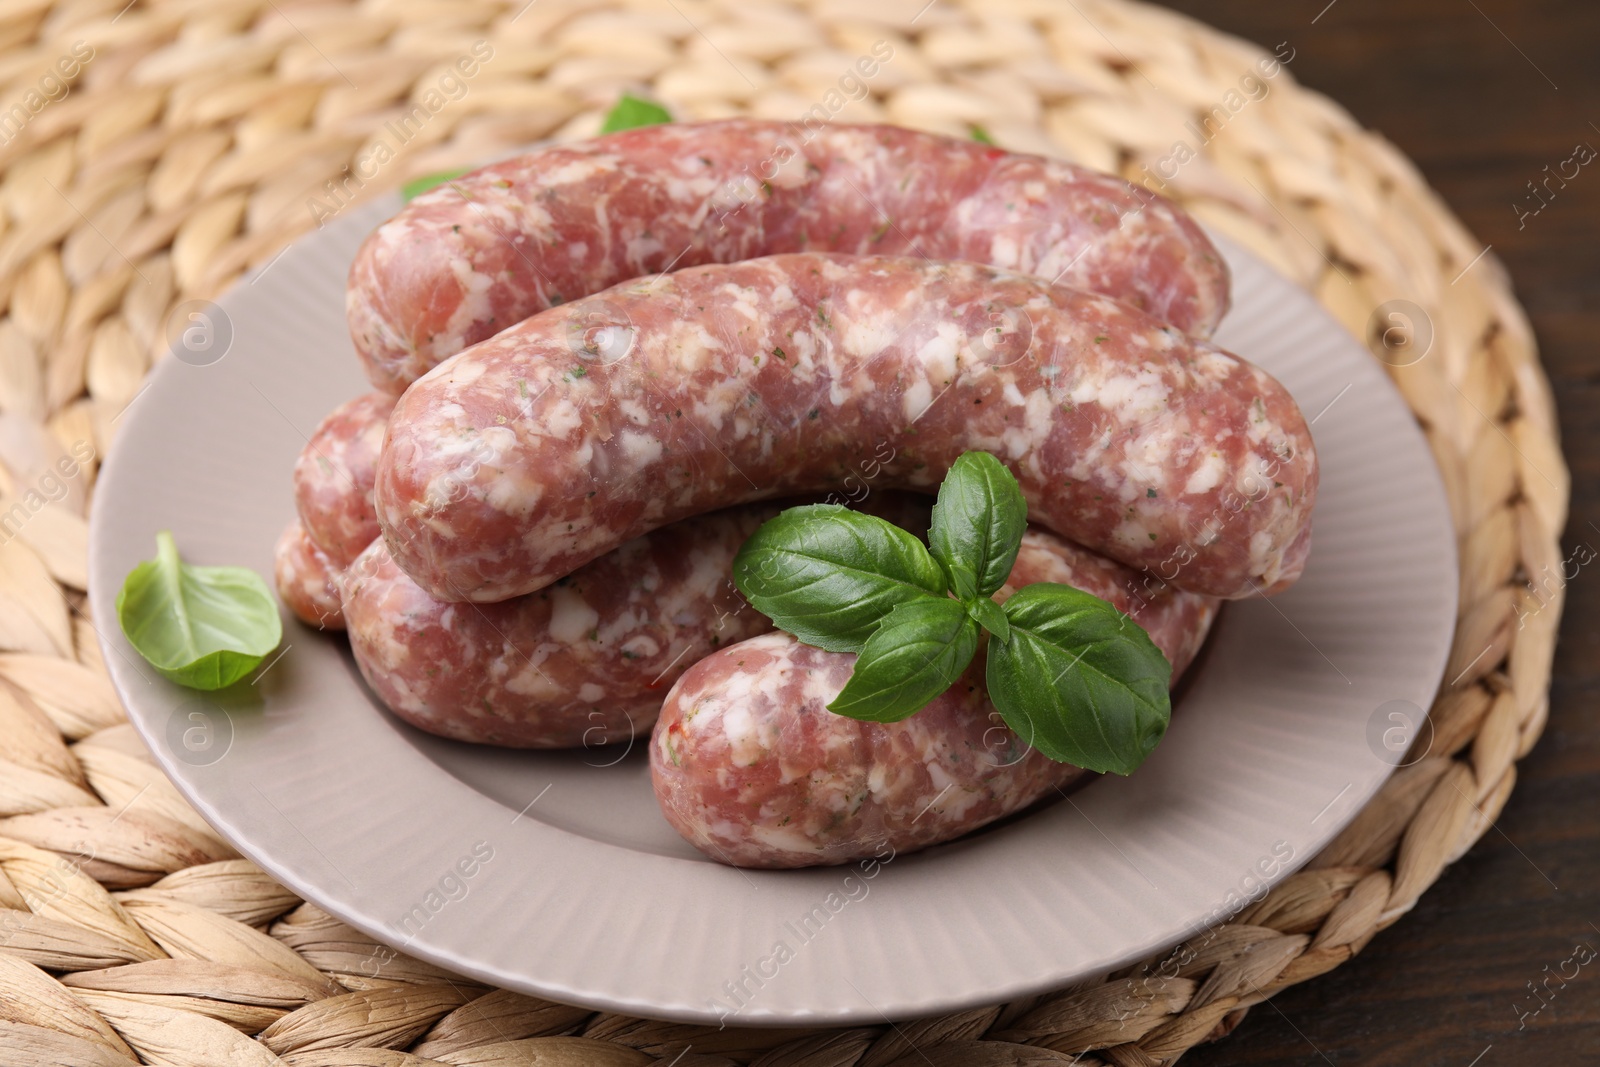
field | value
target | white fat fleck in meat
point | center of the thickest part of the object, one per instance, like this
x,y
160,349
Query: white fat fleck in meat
x,y
642,249
406,699
1038,417
602,220
642,646
866,334
693,345
954,798
590,693
820,687
534,684
918,395
743,735
577,251
802,352
571,617
515,492
744,301
1085,390
557,417
578,170
586,535
1088,466
727,196
640,449
779,839
1004,251
879,783
780,299
1136,396
494,445
1262,553
474,306
793,172
711,410
624,622
1214,364
1133,533
1260,426
1208,475
938,354
1146,462
463,373
632,410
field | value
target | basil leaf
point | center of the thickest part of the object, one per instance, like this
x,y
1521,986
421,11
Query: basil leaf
x,y
990,616
202,627
921,648
829,575
631,112
417,186
1078,680
980,134
978,524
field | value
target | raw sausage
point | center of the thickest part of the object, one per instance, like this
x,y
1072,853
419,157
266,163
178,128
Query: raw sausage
x,y
584,426
333,487
480,253
552,443
334,476
753,770
519,673
307,580
585,661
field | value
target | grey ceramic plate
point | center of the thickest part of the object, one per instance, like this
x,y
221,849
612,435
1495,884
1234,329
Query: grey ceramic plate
x,y
580,892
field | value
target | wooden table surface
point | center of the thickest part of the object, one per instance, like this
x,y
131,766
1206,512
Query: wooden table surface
x,y
1483,95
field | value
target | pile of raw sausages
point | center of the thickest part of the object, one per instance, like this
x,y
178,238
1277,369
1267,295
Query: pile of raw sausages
x,y
601,366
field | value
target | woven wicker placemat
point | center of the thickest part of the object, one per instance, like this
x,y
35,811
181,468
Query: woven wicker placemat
x,y
151,153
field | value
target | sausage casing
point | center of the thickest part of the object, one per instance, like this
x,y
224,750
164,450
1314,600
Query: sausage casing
x,y
477,254
530,454
752,769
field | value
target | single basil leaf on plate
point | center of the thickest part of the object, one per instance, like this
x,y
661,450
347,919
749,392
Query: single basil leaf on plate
x,y
630,112
1078,680
202,627
918,653
829,575
990,616
978,524
417,186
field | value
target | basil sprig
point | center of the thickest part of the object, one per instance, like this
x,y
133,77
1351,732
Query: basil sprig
x,y
830,575
1069,673
922,646
202,627
417,186
630,112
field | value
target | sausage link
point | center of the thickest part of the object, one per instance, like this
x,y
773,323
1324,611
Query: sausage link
x,y
307,580
334,476
585,661
587,425
475,255
753,770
